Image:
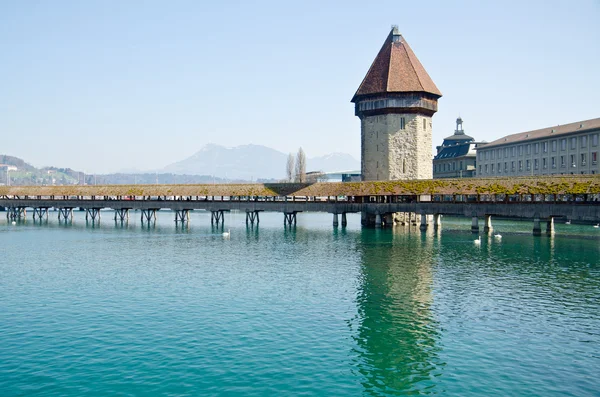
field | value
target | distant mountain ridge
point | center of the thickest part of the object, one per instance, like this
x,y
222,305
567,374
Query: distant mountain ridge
x,y
250,162
211,164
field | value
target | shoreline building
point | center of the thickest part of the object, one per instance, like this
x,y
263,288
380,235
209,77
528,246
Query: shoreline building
x,y
456,157
562,150
395,103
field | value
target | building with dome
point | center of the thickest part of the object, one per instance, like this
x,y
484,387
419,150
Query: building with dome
x,y
456,157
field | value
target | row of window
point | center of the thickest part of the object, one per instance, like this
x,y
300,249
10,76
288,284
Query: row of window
x,y
514,151
415,100
445,167
525,165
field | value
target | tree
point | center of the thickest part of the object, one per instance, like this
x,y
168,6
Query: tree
x,y
290,168
300,166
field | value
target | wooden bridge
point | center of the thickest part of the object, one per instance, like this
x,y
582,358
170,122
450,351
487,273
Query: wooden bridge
x,y
381,203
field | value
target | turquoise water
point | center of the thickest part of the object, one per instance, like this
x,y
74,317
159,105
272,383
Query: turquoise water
x,y
165,311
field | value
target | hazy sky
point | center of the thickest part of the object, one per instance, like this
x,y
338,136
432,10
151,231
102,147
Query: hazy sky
x,y
107,85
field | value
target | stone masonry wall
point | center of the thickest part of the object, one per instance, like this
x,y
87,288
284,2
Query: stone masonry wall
x,y
391,153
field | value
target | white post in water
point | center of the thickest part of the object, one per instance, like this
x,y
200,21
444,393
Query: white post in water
x,y
550,226
437,221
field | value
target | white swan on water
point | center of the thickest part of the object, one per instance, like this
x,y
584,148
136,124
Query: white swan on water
x,y
597,225
227,233
568,222
498,236
478,241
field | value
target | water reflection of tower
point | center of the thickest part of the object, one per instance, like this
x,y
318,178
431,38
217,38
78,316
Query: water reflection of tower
x,y
396,332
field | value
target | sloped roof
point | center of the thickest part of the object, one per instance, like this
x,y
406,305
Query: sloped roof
x,y
563,184
396,69
455,151
559,130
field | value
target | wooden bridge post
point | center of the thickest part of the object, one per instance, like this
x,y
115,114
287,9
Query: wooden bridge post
x,y
474,224
423,225
122,214
289,217
335,220
40,212
487,228
216,217
251,216
66,213
537,229
149,215
344,220
182,216
92,213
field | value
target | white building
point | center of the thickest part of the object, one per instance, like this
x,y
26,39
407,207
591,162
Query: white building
x,y
562,150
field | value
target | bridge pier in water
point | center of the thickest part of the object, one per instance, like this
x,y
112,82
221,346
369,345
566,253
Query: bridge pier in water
x,y
40,213
93,213
289,218
537,228
423,225
487,228
14,213
335,220
149,215
217,216
182,216
122,214
474,224
344,220
252,216
65,213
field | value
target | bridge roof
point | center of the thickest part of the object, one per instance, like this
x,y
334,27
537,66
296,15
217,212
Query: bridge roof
x,y
567,184
396,69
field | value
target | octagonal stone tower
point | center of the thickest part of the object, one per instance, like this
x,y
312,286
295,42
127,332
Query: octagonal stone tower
x,y
395,103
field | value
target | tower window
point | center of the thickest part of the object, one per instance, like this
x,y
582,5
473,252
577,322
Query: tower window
x,y
424,124
402,123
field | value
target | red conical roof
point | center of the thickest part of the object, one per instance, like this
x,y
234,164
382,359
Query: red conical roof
x,y
396,69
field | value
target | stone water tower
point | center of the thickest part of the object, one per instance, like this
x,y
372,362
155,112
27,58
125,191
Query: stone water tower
x,y
395,103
